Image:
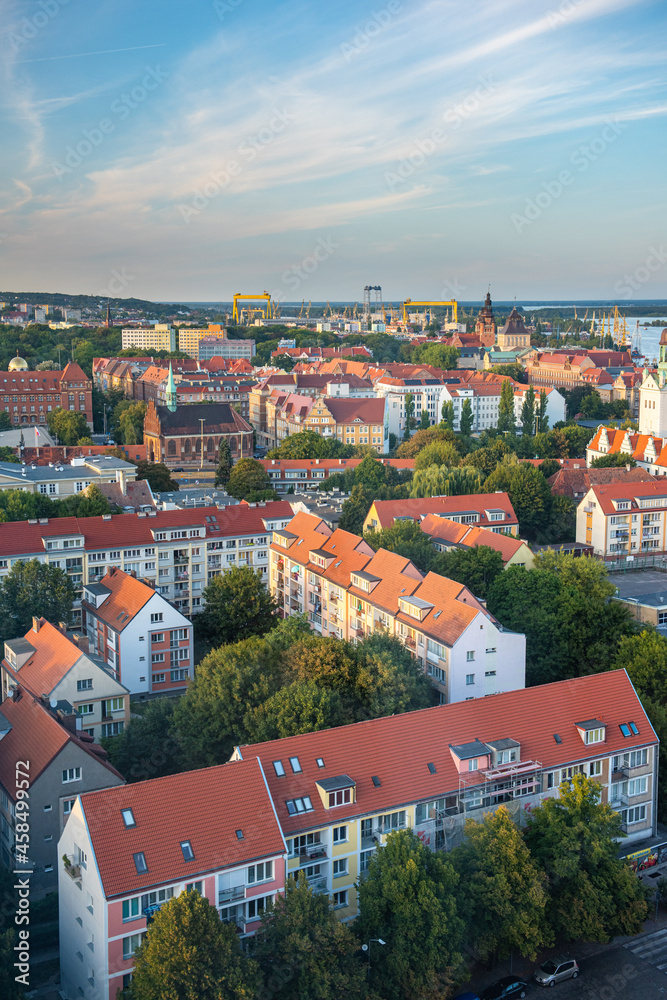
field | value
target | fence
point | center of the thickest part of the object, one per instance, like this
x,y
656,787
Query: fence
x,y
633,564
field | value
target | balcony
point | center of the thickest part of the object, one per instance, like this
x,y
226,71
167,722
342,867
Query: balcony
x,y
181,560
410,643
183,575
230,894
72,868
318,884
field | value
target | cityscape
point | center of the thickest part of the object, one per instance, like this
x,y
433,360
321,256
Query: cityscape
x,y
333,534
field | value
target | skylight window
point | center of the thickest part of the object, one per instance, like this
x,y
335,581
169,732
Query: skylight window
x,y
437,614
376,781
140,863
188,853
295,764
320,762
557,738
239,834
278,768
295,806
128,818
431,768
633,728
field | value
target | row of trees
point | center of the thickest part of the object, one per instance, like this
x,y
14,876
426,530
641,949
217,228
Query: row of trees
x,y
15,505
501,891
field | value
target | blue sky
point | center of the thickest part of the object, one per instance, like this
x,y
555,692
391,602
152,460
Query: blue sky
x,y
199,149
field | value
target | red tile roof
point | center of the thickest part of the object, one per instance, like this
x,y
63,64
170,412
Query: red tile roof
x,y
36,736
398,749
368,411
206,807
417,507
19,537
469,536
127,597
634,492
54,656
574,483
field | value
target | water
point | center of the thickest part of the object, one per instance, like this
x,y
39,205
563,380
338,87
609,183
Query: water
x,y
650,334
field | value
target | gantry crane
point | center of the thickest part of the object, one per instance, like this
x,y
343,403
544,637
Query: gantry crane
x,y
408,304
265,296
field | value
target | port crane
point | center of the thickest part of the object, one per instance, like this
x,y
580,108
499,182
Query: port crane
x,y
408,305
265,296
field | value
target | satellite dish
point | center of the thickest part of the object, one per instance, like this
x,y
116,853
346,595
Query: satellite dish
x,y
364,947
53,703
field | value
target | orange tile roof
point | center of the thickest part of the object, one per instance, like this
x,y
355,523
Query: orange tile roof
x,y
470,536
206,807
398,748
454,605
128,596
36,736
656,488
441,527
417,507
54,656
398,578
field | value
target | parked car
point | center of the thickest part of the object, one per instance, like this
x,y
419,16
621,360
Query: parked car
x,y
555,970
508,986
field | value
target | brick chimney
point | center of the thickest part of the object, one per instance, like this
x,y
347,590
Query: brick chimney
x,y
36,624
81,641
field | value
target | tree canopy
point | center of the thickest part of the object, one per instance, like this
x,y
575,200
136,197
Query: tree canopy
x,y
33,588
238,605
308,444
250,481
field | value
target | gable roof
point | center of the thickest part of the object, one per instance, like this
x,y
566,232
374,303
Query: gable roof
x,y
368,411
417,507
398,748
470,536
219,418
126,597
576,482
54,656
205,807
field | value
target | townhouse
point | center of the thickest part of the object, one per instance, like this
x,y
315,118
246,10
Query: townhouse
x,y
51,663
350,591
338,793
59,762
180,550
352,421
310,473
446,535
624,519
131,849
485,510
647,449
144,640
58,479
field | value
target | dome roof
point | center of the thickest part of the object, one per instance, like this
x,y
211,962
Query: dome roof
x,y
663,338
18,364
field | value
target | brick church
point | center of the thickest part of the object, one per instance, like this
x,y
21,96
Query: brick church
x,y
485,327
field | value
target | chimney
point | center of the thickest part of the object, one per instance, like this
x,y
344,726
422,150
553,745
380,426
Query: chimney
x,y
82,642
133,574
62,626
36,624
67,720
148,582
112,570
627,467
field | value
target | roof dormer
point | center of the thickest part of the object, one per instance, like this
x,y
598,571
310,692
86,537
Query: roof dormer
x,y
415,607
364,581
472,756
284,538
18,651
592,731
338,791
505,751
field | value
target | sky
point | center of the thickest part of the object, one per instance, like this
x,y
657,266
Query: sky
x,y
184,151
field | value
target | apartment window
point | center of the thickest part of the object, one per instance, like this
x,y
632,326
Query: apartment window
x,y
157,658
131,908
365,860
115,704
470,655
262,872
339,867
594,736
157,637
392,821
636,814
157,616
67,806
595,768
278,768
470,679
86,709
300,805
85,685
195,887
340,834
637,786
158,678
71,774
295,765
130,945
180,675
340,797
258,906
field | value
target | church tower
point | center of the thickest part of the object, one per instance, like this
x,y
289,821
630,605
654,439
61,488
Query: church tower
x,y
170,391
485,327
653,396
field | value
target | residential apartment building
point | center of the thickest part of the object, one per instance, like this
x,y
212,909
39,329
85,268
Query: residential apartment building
x,y
63,479
484,510
212,341
446,535
160,337
428,393
352,421
575,483
349,591
309,385
624,518
310,473
566,369
145,641
51,663
28,397
340,792
158,545
647,450
60,761
131,850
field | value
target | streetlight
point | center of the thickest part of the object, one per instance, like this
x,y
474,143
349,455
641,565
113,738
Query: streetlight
x,y
201,461
367,949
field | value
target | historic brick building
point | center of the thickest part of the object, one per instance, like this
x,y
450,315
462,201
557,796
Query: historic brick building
x,y
485,327
176,436
28,397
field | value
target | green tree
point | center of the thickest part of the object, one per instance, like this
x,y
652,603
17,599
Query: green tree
x,y
157,475
5,421
360,501
476,568
190,954
7,455
448,414
424,421
502,890
300,707
409,411
308,444
574,839
131,423
407,539
528,491
515,371
33,588
408,899
148,746
549,467
421,438
437,355
506,408
541,418
224,469
67,425
237,606
438,453
644,656
304,951
90,503
615,461
443,481
249,480
466,421
528,413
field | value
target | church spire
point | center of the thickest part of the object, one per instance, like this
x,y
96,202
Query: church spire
x,y
171,391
